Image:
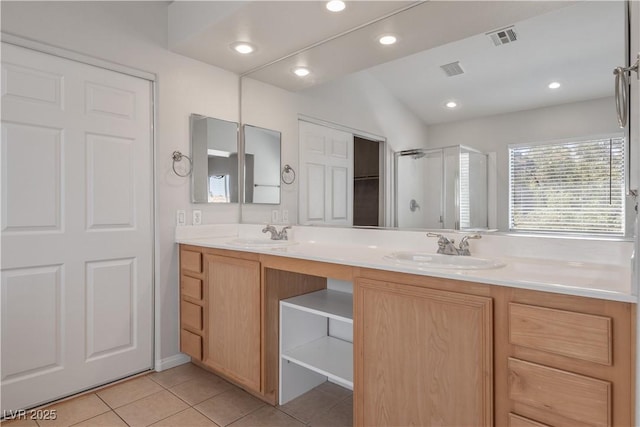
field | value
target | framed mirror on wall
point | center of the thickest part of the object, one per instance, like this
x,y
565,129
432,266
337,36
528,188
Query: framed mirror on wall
x,y
214,153
261,165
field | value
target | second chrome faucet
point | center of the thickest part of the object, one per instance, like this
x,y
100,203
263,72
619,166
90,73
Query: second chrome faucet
x,y
447,246
275,234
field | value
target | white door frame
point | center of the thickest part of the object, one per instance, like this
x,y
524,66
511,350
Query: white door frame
x,y
152,78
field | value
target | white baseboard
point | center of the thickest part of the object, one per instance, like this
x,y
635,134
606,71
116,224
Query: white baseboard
x,y
171,362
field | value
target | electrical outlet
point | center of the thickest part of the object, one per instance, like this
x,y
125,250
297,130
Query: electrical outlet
x,y
197,217
285,216
181,217
275,216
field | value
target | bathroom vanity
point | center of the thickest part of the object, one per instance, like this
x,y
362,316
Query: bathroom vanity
x,y
429,347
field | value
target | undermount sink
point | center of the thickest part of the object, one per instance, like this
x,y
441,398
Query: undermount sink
x,y
445,262
261,243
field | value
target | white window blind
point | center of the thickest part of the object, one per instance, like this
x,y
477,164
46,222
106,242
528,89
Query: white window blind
x,y
568,187
465,195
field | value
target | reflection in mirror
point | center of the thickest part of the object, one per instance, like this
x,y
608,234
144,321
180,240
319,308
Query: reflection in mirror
x,y
214,152
441,188
501,89
261,165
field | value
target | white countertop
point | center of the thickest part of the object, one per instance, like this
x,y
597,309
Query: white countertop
x,y
611,281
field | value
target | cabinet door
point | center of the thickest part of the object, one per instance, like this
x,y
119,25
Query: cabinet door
x,y
232,337
422,356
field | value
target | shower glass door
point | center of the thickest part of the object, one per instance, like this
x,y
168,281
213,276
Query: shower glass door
x,y
419,189
441,188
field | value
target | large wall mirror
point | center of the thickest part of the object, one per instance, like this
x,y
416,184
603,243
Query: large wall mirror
x,y
482,75
261,165
214,153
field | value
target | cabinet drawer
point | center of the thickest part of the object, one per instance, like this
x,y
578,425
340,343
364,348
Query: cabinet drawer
x,y
191,315
577,335
191,287
191,261
518,421
191,344
560,392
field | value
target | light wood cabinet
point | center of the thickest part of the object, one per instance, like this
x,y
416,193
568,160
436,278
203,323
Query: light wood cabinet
x,y
518,421
191,302
422,356
232,338
229,314
427,350
576,397
567,333
567,360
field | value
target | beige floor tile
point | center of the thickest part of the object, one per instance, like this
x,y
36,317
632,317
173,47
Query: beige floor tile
x,y
179,374
309,405
340,415
108,419
75,410
267,417
229,406
19,422
200,389
187,418
128,391
151,409
334,390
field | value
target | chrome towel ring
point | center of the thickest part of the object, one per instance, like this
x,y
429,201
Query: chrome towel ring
x,y
622,90
288,175
177,157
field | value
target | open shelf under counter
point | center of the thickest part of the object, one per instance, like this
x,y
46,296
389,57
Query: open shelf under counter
x,y
316,334
328,303
326,356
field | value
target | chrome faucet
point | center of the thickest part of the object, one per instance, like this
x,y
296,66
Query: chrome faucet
x,y
463,247
275,234
447,246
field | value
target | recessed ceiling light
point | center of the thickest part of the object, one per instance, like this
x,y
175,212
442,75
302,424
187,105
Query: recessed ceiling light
x,y
301,71
387,39
336,5
243,47
554,85
451,104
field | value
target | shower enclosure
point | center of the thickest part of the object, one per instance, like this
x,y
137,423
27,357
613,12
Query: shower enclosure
x,y
441,188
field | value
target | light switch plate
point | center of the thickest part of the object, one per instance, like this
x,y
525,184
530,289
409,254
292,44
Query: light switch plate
x,y
285,216
197,217
181,217
275,216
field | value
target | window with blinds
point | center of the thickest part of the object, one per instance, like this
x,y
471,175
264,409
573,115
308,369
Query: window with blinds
x,y
465,194
564,187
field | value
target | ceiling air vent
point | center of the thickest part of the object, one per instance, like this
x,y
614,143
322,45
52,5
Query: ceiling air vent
x,y
503,36
452,69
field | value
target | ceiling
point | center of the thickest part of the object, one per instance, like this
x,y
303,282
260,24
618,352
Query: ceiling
x,y
575,43
577,46
204,30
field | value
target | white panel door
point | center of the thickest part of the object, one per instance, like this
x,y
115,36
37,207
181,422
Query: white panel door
x,y
77,232
326,175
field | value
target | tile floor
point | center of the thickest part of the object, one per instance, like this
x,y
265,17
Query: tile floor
x,y
188,396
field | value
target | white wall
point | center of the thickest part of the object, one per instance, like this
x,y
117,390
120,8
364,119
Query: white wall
x,y
273,108
495,133
357,101
135,34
